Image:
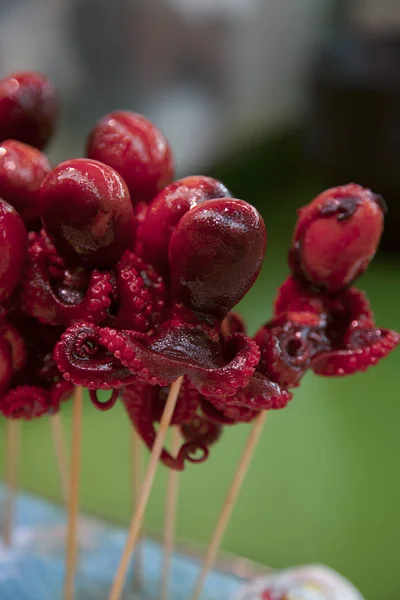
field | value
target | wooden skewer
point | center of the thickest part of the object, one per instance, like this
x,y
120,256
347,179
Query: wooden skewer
x,y
137,452
13,438
137,518
229,503
73,497
170,516
60,452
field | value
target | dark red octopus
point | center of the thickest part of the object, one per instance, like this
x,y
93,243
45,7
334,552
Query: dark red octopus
x,y
215,255
320,322
128,296
145,404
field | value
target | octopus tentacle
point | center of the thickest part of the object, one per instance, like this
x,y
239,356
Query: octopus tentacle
x,y
361,349
202,430
142,294
261,393
6,367
13,354
287,347
140,412
193,452
294,296
16,344
60,392
162,358
227,415
186,405
27,402
355,343
145,404
56,296
101,405
84,360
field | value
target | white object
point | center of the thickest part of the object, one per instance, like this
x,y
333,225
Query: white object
x,y
313,582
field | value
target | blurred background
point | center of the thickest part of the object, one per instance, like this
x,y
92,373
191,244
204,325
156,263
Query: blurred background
x,y
279,99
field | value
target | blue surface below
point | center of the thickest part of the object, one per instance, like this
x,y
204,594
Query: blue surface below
x,y
33,569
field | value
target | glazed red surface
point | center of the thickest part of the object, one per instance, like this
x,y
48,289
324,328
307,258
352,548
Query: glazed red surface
x,y
13,354
230,237
28,108
57,295
215,255
13,244
131,283
332,334
336,236
134,147
87,211
166,210
140,295
22,170
145,404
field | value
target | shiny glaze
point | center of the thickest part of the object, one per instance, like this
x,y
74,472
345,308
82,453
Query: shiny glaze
x,y
87,211
166,210
13,244
137,149
22,170
215,255
336,236
28,108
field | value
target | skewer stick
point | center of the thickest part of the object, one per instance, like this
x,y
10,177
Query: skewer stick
x,y
170,516
73,498
60,452
229,503
137,518
137,453
13,438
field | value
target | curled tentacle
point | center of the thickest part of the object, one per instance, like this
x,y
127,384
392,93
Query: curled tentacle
x,y
141,294
193,452
227,415
355,343
287,347
101,405
233,323
334,335
27,402
57,296
145,405
184,350
140,412
261,393
85,360
202,430
361,350
186,405
60,392
293,296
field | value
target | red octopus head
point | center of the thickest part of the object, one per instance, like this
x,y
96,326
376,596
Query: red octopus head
x,y
28,108
87,211
215,255
13,244
166,210
336,237
22,170
136,149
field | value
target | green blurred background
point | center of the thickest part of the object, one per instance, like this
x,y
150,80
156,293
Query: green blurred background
x,y
323,485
